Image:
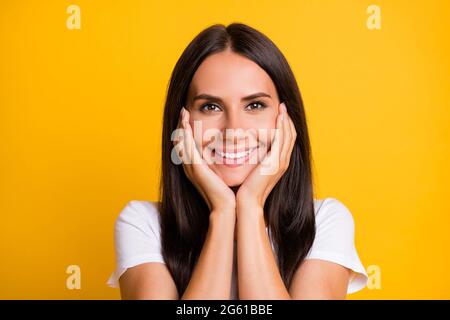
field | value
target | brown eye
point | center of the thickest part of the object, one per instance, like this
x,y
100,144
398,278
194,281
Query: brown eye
x,y
209,107
255,106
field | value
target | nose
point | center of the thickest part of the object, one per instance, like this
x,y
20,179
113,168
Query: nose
x,y
235,130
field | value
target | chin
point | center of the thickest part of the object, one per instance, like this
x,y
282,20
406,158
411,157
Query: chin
x,y
233,177
233,182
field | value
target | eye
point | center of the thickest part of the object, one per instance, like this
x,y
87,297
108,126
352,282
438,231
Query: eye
x,y
209,107
255,105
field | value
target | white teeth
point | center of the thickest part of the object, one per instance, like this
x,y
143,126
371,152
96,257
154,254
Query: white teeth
x,y
234,155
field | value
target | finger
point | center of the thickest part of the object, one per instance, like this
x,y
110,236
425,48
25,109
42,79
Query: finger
x,y
272,158
180,117
178,130
287,135
178,135
279,137
193,154
179,149
187,167
191,147
293,135
180,143
186,143
275,140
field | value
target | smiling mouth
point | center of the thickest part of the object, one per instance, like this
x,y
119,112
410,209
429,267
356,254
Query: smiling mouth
x,y
233,159
235,155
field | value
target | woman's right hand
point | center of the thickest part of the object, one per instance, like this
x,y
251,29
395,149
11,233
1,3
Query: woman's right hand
x,y
217,194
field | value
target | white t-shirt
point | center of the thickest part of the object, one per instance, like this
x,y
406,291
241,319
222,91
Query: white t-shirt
x,y
137,240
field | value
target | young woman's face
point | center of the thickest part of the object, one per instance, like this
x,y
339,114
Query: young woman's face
x,y
231,95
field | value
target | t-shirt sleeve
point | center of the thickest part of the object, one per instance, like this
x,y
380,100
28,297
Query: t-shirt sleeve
x,y
136,238
334,241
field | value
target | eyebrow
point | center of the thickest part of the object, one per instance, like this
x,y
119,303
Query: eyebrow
x,y
215,98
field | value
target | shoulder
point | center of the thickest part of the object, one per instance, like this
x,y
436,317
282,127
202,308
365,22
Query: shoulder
x,y
136,237
139,214
330,212
146,211
335,240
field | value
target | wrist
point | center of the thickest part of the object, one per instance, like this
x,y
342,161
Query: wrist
x,y
230,206
248,197
247,200
249,209
223,215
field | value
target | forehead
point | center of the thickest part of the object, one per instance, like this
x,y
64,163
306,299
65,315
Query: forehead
x,y
228,74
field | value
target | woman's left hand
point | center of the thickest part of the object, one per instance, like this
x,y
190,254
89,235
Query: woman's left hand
x,y
260,182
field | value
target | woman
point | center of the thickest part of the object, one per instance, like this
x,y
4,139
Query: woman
x,y
237,218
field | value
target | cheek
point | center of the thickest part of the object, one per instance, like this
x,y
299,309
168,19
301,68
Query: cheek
x,y
204,130
266,130
208,131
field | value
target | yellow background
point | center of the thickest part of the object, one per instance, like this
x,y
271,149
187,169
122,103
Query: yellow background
x,y
80,127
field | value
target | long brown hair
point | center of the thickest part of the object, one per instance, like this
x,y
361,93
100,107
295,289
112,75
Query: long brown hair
x,y
288,210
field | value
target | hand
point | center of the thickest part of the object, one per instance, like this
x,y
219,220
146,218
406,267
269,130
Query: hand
x,y
260,182
213,189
